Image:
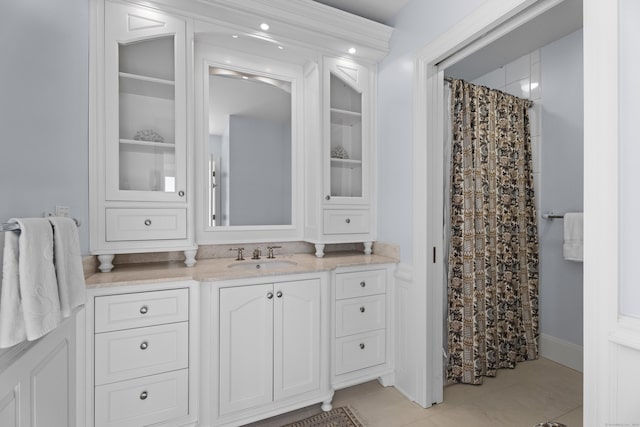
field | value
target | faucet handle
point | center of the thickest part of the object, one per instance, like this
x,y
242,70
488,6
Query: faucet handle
x,y
270,251
240,256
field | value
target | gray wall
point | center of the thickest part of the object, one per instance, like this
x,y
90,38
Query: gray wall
x,y
43,109
417,23
561,176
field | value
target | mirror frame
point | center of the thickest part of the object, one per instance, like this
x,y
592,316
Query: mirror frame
x,y
207,56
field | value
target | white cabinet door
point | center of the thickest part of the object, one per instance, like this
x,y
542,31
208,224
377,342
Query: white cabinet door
x,y
37,390
145,102
347,131
296,338
246,347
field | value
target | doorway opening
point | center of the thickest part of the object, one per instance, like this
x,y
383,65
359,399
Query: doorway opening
x,y
517,37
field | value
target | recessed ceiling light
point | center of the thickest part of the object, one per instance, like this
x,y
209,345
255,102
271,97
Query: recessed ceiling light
x,y
245,77
280,47
264,26
235,36
352,50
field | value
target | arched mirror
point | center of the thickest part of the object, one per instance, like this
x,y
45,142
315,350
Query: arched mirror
x,y
249,150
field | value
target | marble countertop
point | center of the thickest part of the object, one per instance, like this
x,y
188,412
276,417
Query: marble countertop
x,y
208,270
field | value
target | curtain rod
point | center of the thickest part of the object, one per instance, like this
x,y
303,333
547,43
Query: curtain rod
x,y
450,80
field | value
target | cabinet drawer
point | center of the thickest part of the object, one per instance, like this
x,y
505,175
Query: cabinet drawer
x,y
125,311
145,224
360,351
139,352
143,401
346,221
357,315
360,283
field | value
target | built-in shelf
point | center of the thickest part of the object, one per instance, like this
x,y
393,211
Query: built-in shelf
x,y
345,117
135,142
146,86
345,163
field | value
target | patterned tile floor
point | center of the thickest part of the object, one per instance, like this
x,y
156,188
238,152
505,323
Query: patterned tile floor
x,y
534,392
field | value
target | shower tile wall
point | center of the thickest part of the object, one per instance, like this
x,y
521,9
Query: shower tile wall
x,y
522,77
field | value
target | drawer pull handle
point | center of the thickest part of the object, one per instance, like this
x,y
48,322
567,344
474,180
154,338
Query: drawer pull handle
x,y
361,309
181,193
144,345
279,294
348,220
361,346
147,222
363,284
144,309
144,395
270,295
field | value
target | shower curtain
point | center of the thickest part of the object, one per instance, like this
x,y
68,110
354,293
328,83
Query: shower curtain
x,y
493,244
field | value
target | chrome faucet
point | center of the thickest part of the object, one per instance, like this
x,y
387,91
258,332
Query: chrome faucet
x,y
239,257
256,253
270,251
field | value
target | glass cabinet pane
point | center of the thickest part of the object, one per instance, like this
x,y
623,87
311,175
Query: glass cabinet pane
x,y
345,139
147,150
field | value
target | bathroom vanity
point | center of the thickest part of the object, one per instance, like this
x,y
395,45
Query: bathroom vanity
x,y
226,343
225,122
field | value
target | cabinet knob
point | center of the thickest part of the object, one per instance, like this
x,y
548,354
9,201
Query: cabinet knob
x,y
327,197
181,193
279,294
363,284
144,395
144,345
270,295
144,309
361,346
147,222
362,309
348,220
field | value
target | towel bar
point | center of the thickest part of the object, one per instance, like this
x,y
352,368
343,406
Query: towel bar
x,y
551,215
14,226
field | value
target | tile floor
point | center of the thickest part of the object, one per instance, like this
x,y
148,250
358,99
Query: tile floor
x,y
534,392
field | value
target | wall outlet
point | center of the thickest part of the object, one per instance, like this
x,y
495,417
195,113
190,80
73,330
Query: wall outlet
x,y
63,211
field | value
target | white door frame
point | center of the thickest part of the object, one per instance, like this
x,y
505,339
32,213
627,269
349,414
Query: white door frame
x,y
490,21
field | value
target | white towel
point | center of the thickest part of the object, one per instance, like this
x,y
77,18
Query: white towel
x,y
68,264
573,236
29,300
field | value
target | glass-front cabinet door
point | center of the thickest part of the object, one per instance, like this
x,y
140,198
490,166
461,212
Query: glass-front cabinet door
x,y
347,129
145,94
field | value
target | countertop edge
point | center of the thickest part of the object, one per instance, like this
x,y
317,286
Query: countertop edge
x,y
216,270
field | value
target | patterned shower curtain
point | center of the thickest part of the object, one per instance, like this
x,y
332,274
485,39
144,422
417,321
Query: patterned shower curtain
x,y
493,254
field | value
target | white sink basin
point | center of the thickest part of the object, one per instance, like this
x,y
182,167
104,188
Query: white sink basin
x,y
262,265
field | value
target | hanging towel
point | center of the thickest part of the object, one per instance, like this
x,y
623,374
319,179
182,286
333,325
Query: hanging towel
x,y
573,232
67,261
29,300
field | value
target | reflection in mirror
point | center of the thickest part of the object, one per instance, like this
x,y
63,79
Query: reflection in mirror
x,y
249,149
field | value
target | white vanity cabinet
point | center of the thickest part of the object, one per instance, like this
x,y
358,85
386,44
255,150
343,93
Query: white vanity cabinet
x,y
340,209
139,138
142,349
270,352
362,329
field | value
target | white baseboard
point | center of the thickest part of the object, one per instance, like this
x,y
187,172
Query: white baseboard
x,y
563,352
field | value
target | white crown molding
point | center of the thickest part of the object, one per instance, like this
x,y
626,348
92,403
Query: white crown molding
x,y
302,23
